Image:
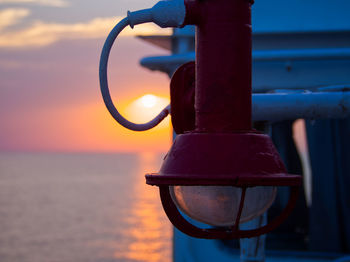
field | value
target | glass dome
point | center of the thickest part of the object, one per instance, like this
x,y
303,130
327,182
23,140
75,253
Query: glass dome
x,y
218,205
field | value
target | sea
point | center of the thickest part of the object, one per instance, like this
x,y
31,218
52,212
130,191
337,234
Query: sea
x,y
81,207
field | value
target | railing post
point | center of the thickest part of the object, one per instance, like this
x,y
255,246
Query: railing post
x,y
253,249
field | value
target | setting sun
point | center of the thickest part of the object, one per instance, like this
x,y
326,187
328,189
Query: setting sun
x,y
148,100
145,108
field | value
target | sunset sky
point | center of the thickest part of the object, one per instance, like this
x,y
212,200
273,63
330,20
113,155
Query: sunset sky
x,y
49,91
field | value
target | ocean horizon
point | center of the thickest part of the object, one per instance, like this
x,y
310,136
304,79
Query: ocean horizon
x,y
81,207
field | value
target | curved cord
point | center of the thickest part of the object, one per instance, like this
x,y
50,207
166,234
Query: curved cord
x,y
104,85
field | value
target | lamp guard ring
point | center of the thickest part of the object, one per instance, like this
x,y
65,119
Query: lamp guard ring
x,y
221,233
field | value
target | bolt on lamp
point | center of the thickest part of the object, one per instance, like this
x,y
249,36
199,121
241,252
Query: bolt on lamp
x,y
219,170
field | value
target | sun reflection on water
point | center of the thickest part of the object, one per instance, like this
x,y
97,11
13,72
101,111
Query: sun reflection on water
x,y
149,230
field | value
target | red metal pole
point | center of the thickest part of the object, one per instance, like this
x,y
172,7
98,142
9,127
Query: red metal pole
x,y
223,64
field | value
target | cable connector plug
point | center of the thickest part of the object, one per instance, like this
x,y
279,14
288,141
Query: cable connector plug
x,y
167,13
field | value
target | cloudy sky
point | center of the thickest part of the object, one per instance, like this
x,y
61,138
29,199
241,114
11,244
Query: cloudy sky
x,y
49,92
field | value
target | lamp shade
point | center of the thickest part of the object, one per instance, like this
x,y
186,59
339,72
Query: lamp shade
x,y
235,159
239,172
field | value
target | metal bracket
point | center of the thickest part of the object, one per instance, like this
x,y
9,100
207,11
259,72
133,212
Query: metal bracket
x,y
182,90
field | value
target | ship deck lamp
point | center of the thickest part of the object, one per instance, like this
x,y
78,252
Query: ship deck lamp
x,y
219,170
217,174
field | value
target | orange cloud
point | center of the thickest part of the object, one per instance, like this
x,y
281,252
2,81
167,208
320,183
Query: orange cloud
x,y
12,16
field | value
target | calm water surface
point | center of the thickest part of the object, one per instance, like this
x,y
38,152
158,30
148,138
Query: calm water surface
x,y
81,207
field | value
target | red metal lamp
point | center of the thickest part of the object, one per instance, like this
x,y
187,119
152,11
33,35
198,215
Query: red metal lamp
x,y
219,170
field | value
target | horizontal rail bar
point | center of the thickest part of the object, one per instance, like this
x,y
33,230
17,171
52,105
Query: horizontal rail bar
x,y
163,63
311,105
157,62
301,54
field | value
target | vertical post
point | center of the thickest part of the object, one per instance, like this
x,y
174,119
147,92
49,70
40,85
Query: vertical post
x,y
223,80
253,249
223,64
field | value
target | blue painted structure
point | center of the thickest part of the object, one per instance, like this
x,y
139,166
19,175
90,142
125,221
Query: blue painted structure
x,y
298,45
